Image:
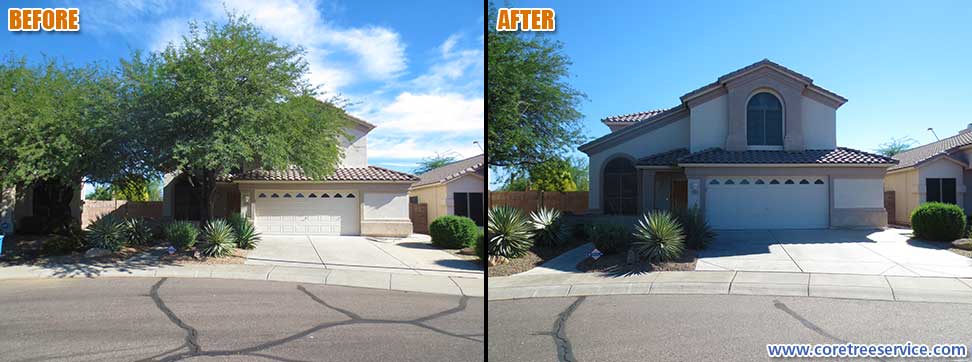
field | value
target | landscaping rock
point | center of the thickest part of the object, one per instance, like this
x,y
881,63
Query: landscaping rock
x,y
96,252
964,244
495,260
467,251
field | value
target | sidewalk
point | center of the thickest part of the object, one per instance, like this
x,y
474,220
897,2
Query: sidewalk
x,y
849,286
452,285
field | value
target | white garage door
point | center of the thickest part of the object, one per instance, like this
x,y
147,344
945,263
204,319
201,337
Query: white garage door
x,y
767,202
291,212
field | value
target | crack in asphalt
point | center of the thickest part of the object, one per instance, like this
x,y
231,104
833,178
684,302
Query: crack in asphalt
x,y
564,352
807,323
194,349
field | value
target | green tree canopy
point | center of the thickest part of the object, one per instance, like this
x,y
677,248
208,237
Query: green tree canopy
x,y
895,146
532,111
433,162
228,97
552,175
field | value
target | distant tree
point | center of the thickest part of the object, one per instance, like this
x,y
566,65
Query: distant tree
x,y
100,192
516,184
895,146
532,110
552,175
433,162
579,172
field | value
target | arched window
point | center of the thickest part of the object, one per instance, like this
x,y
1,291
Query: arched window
x,y
764,120
620,187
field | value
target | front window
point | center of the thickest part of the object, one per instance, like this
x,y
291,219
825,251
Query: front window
x,y
620,187
940,190
764,120
469,204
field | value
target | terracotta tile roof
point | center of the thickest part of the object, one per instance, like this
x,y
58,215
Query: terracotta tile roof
x,y
668,158
452,171
363,174
840,155
920,154
633,117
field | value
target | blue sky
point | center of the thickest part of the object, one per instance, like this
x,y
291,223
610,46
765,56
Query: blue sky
x,y
903,66
417,74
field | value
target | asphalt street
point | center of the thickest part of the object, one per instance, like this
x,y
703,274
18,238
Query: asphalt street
x,y
153,319
706,327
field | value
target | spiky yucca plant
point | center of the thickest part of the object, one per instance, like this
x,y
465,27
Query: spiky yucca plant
x,y
244,232
698,233
658,237
107,232
509,232
218,238
548,227
138,231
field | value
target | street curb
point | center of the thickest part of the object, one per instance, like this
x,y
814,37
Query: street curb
x,y
821,285
432,284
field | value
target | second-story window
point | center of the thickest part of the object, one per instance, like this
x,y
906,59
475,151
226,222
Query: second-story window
x,y
764,120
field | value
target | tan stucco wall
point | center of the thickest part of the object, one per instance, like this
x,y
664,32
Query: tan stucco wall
x,y
355,149
942,168
819,125
434,197
709,124
905,187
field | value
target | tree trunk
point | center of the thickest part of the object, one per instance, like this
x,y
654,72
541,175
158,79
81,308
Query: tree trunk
x,y
206,187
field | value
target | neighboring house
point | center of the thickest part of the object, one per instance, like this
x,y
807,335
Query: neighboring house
x,y
756,149
453,189
357,199
41,202
939,171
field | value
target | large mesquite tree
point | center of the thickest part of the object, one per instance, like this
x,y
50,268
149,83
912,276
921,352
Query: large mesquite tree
x,y
228,97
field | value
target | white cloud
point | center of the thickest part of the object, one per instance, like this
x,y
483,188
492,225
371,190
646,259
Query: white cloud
x,y
381,51
412,148
433,113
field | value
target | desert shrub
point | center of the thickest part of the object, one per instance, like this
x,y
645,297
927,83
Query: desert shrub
x,y
698,233
61,244
658,237
453,232
244,233
938,221
138,230
181,234
107,232
509,232
608,238
548,226
218,238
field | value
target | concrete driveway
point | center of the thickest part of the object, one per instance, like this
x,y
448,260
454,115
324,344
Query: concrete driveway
x,y
868,252
412,255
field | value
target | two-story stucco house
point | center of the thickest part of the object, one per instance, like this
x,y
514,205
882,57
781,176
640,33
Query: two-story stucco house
x,y
756,149
357,199
939,171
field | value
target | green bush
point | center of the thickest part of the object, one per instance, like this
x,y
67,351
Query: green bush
x,y
453,232
548,226
245,235
658,237
61,244
218,239
107,232
181,234
698,233
509,232
938,221
608,238
481,247
138,231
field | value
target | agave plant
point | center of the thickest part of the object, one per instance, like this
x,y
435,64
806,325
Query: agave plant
x,y
218,238
138,231
244,232
698,233
548,226
658,237
509,232
107,232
